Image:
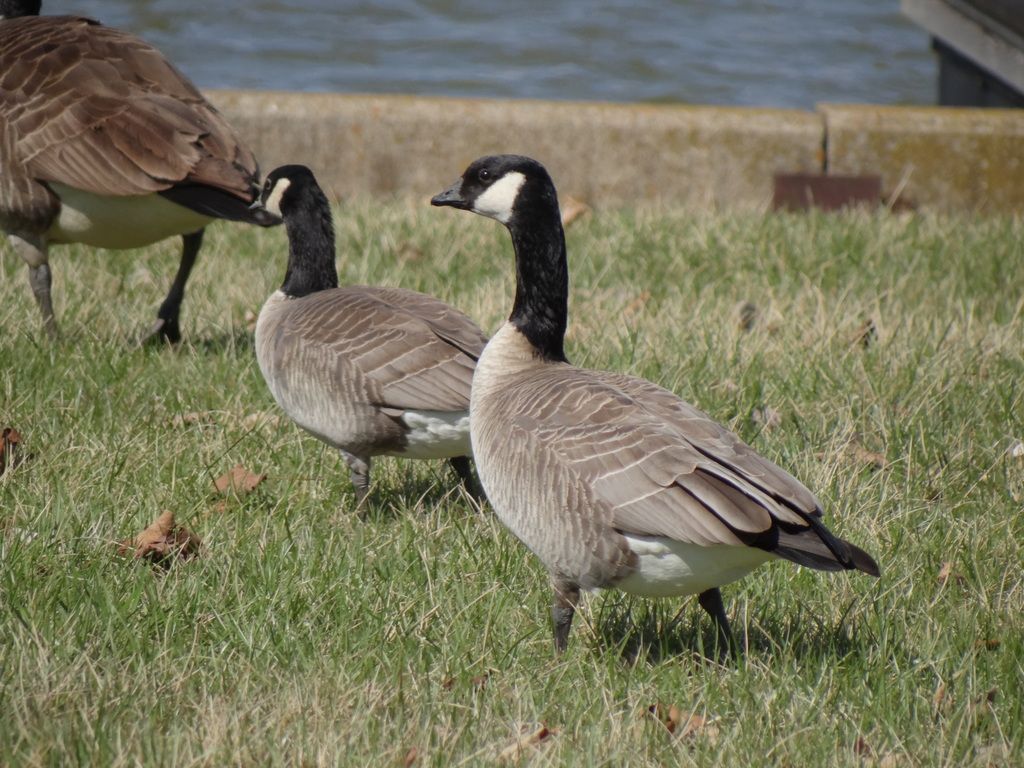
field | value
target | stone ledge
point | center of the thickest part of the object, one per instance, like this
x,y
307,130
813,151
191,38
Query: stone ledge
x,y
634,154
943,158
606,154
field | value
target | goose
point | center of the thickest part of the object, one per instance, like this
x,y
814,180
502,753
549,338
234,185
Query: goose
x,y
104,142
369,370
609,479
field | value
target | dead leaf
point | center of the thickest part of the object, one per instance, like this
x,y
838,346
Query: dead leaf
x,y
192,417
238,481
941,701
477,681
411,757
573,209
636,304
729,386
746,315
219,507
766,416
988,644
667,716
258,419
10,449
681,723
862,455
866,334
1017,449
409,252
862,749
250,319
894,760
525,741
480,681
946,573
162,542
696,725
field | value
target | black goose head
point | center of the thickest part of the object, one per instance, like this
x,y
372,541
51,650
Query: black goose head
x,y
518,192
508,188
290,189
10,9
292,193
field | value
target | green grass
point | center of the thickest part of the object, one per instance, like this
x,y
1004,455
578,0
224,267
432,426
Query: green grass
x,y
305,636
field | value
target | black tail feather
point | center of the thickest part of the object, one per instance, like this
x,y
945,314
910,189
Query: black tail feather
x,y
817,547
219,204
862,561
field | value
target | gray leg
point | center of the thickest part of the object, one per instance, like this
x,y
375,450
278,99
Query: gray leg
x,y
33,250
39,278
166,327
562,610
464,469
711,601
360,469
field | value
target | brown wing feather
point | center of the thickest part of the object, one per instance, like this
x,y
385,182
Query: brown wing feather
x,y
101,110
725,447
413,351
663,467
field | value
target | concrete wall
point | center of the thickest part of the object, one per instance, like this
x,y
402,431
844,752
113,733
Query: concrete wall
x,y
628,154
944,158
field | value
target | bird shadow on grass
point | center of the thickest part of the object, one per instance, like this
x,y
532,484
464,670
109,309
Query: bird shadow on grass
x,y
236,340
651,634
406,492
239,339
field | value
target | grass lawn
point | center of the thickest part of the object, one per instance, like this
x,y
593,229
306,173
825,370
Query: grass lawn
x,y
303,635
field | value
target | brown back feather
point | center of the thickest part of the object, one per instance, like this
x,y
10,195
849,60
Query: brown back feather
x,y
663,467
411,350
103,111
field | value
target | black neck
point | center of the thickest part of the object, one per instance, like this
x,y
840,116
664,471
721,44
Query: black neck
x,y
310,249
541,307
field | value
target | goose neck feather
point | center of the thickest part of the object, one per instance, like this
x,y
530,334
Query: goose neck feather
x,y
540,311
310,245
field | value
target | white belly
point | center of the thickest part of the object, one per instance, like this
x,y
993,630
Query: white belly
x,y
119,222
666,567
436,434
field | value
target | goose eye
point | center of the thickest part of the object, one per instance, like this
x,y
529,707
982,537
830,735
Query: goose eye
x,y
484,175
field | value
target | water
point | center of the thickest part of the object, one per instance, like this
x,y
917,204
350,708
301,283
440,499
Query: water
x,y
782,53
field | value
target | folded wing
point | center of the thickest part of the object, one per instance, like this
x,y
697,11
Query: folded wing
x,y
411,351
100,110
664,468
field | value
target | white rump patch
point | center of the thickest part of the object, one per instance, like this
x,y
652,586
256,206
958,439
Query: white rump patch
x,y
666,567
436,434
500,198
273,203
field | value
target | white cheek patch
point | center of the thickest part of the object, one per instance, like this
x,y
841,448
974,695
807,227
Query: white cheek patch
x,y
500,198
273,203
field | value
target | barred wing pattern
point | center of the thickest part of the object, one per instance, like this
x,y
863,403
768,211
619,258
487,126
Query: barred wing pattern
x,y
100,110
406,350
653,465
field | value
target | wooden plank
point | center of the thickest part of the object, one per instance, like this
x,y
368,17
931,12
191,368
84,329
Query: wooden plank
x,y
1008,13
981,38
